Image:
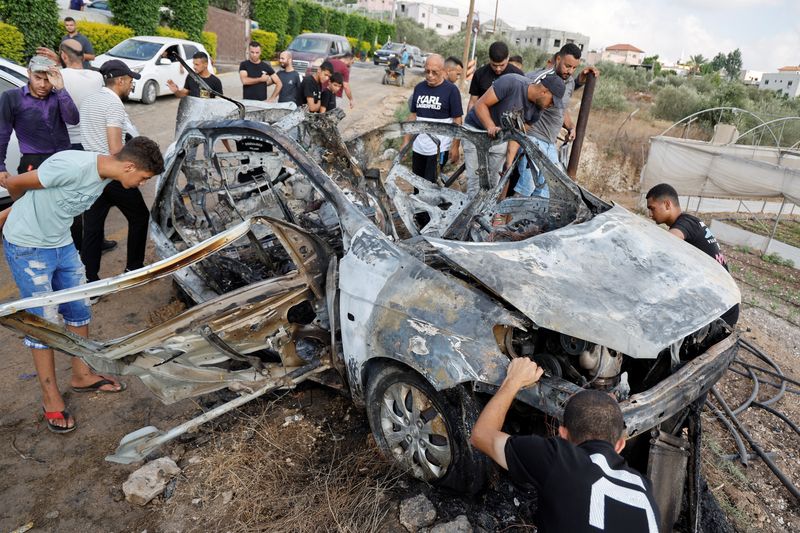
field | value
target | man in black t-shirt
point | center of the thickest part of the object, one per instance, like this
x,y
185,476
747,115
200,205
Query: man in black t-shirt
x,y
582,483
328,98
191,87
310,92
664,208
256,75
484,77
290,79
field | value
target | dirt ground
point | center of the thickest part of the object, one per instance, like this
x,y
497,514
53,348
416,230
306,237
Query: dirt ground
x,y
305,460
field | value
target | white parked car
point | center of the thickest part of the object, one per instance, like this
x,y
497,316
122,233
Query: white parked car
x,y
149,56
11,77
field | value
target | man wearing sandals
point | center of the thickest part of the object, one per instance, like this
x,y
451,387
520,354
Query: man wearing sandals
x,y
42,258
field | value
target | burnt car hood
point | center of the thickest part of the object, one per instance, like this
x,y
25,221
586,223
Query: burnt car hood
x,y
616,280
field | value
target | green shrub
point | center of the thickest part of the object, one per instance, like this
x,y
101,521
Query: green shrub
x,y
294,21
631,79
366,46
189,16
36,19
103,36
12,43
268,41
353,43
337,22
141,16
609,94
209,40
163,31
675,103
313,16
356,25
272,15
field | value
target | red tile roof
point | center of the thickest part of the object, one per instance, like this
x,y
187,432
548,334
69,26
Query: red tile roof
x,y
791,68
623,48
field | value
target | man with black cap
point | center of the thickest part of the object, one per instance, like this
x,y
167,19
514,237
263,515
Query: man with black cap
x,y
103,119
509,93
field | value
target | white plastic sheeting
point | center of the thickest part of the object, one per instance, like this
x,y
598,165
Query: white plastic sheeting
x,y
698,168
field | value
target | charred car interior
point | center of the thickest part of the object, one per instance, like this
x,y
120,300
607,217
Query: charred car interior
x,y
308,257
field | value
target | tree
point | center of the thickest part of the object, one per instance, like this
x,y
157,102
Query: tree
x,y
272,15
189,16
141,16
653,60
696,62
718,63
733,64
36,19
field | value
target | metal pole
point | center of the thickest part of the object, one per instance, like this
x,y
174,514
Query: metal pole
x,y
580,127
468,36
494,23
775,227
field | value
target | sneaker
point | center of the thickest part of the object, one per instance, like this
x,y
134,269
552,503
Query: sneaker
x,y
108,245
94,299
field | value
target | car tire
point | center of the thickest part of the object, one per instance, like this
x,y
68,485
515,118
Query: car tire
x,y
425,431
149,92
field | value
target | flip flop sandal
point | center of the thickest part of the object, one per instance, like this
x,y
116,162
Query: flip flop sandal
x,y
95,387
58,415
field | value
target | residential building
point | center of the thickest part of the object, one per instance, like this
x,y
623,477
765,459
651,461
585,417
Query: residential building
x,y
751,77
547,39
377,7
443,20
623,54
502,29
785,82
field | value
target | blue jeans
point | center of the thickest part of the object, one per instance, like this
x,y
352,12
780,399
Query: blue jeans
x,y
38,271
526,186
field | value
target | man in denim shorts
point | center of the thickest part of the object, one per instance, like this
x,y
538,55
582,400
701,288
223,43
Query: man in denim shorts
x,y
42,258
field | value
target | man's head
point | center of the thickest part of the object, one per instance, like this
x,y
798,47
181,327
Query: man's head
x,y
70,26
200,62
453,68
285,59
516,61
567,60
663,204
547,90
71,52
348,58
593,415
434,70
336,82
38,82
325,72
119,77
141,160
498,56
254,52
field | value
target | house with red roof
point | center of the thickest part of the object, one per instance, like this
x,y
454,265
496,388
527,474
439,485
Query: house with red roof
x,y
624,54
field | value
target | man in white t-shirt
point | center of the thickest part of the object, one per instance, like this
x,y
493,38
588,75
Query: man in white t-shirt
x,y
103,120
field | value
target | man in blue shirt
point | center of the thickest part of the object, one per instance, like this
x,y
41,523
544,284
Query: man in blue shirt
x,y
42,258
433,100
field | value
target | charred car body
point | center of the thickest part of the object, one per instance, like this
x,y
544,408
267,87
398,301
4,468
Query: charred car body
x,y
306,259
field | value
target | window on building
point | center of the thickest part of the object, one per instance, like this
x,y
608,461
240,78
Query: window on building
x,y
766,82
449,26
789,83
538,41
557,43
517,40
402,8
438,25
423,15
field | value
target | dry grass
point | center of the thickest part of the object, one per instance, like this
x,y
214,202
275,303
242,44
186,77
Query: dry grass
x,y
299,478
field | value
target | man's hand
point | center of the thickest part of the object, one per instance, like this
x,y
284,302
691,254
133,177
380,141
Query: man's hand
x,y
471,67
173,86
570,134
453,157
49,54
4,179
493,131
352,104
522,372
585,72
4,216
55,79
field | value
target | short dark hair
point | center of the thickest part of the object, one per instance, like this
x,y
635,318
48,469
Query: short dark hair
x,y
326,65
337,77
453,61
254,44
201,55
144,153
516,59
498,51
593,415
570,49
347,55
69,19
663,191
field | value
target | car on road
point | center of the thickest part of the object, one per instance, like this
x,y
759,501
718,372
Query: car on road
x,y
309,50
321,259
389,50
150,57
12,76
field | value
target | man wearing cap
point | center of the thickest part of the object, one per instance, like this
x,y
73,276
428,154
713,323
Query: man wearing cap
x,y
86,45
509,93
544,132
103,119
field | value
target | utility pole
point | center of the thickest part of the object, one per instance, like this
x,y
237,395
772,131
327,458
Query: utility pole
x,y
468,36
494,23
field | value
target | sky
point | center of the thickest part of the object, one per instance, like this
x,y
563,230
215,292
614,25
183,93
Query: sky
x,y
766,31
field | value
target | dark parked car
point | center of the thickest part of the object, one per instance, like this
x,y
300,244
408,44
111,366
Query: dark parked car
x,y
389,50
309,50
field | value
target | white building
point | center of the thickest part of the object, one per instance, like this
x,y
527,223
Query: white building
x,y
623,54
377,6
443,20
785,81
751,77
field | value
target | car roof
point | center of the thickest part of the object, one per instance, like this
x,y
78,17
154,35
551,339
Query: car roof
x,y
163,40
323,35
7,64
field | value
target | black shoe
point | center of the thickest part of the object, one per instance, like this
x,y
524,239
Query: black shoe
x,y
108,245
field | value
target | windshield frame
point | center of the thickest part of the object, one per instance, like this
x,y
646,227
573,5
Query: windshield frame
x,y
127,43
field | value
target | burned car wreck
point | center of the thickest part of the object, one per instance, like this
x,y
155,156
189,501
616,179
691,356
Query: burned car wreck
x,y
308,257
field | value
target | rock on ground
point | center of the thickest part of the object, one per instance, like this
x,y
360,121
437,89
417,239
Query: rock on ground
x,y
416,513
459,525
150,480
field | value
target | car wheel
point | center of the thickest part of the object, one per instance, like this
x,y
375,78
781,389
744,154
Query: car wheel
x,y
426,431
150,92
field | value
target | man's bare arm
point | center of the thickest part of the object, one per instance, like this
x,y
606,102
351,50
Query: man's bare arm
x,y
348,93
278,86
471,103
18,185
114,136
482,111
252,81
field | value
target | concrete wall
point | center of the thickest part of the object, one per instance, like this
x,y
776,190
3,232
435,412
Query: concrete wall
x,y
233,34
547,39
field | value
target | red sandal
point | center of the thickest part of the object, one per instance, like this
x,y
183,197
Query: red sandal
x,y
58,415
